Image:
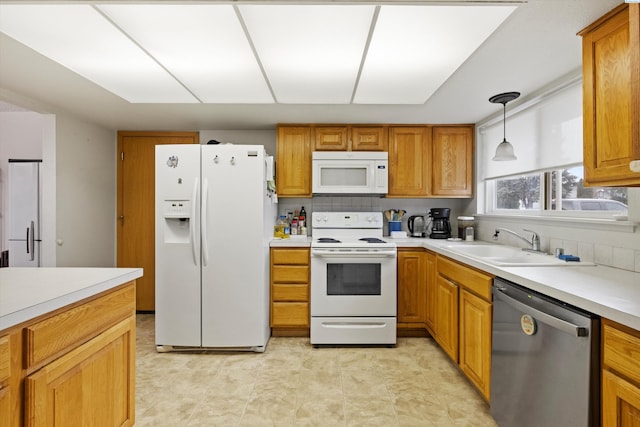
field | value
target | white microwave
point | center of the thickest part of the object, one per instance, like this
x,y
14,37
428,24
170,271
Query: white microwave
x,y
350,172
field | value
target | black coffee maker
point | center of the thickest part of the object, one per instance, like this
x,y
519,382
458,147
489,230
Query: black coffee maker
x,y
440,225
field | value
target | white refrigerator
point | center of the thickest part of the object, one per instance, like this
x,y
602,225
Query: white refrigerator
x,y
214,221
23,237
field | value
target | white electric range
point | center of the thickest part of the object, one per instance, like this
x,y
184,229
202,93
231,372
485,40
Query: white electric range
x,y
353,280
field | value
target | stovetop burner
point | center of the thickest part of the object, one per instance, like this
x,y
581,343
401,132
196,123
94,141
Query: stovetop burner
x,y
372,240
328,240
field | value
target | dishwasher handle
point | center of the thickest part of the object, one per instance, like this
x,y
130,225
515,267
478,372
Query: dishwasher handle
x,y
563,325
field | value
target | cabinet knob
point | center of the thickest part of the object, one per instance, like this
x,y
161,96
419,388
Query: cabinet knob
x,y
634,165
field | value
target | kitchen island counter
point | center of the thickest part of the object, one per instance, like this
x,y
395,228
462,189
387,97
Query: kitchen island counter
x,y
26,293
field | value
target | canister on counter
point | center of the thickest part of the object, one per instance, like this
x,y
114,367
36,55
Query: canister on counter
x,y
463,223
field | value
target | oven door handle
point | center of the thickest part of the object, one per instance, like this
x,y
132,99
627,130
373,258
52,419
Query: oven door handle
x,y
325,253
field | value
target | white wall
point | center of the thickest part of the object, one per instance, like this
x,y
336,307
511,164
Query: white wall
x,y
86,194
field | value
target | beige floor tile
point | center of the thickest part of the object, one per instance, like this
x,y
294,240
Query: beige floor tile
x,y
321,412
294,384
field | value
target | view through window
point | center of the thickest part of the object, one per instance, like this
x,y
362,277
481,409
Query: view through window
x,y
558,190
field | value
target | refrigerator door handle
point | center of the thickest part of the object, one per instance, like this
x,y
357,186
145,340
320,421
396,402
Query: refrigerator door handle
x,y
192,222
203,222
31,240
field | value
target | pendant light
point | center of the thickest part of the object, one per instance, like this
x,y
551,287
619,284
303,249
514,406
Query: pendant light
x,y
505,149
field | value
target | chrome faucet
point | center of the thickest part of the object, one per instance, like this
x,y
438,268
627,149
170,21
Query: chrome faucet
x,y
534,243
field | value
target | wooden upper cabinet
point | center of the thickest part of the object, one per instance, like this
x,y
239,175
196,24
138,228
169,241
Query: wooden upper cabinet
x,y
368,138
611,98
350,138
409,161
333,138
293,157
452,161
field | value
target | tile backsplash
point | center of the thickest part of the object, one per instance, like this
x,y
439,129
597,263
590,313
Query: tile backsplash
x,y
369,204
610,248
618,249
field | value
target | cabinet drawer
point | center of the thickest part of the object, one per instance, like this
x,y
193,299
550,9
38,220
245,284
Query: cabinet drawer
x,y
621,350
290,274
290,293
72,327
471,279
5,359
290,314
290,256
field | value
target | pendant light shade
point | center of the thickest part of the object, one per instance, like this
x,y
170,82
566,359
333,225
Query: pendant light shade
x,y
505,149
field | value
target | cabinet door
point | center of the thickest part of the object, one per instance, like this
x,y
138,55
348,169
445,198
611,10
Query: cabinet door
x,y
620,402
475,340
431,285
446,316
411,286
609,147
452,161
370,138
330,138
92,384
293,157
409,161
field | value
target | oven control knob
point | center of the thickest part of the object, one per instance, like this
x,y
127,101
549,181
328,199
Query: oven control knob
x,y
372,218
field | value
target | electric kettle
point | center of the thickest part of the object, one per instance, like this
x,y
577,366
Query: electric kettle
x,y
417,225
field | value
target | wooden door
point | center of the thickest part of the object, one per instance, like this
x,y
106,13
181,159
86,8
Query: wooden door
x,y
409,161
446,317
452,161
91,385
475,340
293,161
411,287
136,205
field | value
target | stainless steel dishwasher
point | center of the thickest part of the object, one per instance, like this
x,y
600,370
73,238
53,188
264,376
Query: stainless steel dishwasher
x,y
544,360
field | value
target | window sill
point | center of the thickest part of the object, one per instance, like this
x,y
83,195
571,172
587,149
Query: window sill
x,y
572,222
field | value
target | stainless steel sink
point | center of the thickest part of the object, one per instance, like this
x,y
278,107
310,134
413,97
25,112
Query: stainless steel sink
x,y
507,256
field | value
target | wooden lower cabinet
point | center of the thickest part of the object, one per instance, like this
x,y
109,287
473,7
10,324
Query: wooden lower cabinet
x,y
462,319
446,316
290,277
5,376
74,366
430,305
92,384
620,375
475,340
412,288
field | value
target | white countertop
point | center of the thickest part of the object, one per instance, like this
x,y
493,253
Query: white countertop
x,y
608,292
26,293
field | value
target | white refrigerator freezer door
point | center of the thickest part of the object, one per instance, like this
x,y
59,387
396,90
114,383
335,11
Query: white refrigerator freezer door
x,y
178,310
24,194
235,280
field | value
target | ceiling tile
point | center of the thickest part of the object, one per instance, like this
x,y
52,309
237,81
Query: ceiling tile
x,y
204,46
414,49
311,53
81,39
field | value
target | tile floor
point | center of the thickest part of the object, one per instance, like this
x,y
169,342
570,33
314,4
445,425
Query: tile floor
x,y
294,384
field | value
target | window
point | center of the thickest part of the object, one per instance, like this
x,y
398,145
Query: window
x,y
547,179
540,193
